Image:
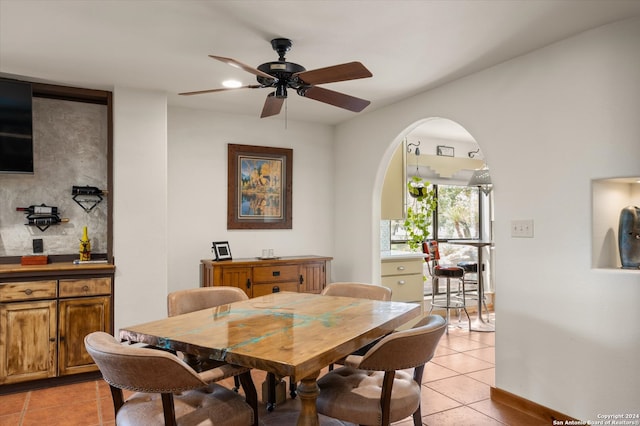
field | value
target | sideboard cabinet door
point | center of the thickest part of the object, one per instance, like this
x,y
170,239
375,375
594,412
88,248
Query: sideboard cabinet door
x,y
313,277
79,317
27,341
238,277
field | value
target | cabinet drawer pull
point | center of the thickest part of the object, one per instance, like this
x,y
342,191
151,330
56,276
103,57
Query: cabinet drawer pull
x,y
276,273
402,282
400,268
85,288
28,292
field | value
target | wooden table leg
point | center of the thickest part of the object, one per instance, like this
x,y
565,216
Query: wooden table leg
x,y
308,392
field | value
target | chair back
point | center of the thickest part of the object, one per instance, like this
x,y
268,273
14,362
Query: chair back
x,y
195,299
359,290
139,369
407,348
432,254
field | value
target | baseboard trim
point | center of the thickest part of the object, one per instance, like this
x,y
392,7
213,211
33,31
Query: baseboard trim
x,y
528,407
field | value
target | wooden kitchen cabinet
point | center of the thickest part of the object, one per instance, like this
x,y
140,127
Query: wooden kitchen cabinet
x,y
27,341
305,274
77,318
45,313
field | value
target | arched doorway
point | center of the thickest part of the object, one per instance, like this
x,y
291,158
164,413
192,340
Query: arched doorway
x,y
444,153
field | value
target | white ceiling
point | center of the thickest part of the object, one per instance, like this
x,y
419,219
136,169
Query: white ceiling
x,y
409,46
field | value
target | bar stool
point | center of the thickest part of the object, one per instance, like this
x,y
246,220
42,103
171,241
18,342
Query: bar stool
x,y
449,302
470,285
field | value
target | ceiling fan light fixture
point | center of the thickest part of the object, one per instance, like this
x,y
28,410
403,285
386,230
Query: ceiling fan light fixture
x,y
231,84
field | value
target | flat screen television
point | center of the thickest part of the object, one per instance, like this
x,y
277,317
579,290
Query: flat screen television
x,y
16,127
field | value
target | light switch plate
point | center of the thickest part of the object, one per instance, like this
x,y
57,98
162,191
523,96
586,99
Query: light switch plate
x,y
522,228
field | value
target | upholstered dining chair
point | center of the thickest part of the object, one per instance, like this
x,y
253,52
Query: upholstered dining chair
x,y
376,389
359,290
186,397
344,289
195,299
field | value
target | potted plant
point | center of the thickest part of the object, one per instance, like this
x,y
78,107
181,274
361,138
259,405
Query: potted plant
x,y
419,212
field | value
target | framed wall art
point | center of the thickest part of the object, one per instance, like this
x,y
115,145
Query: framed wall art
x,y
446,151
259,187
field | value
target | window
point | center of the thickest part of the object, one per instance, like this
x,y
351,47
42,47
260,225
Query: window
x,y
457,215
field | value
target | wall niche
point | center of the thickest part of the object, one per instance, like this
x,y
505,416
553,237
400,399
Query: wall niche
x,y
609,197
72,140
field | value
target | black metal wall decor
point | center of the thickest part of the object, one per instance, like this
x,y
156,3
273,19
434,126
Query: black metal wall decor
x,y
87,197
629,237
42,216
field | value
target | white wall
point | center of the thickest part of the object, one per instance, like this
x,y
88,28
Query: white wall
x,y
139,205
170,196
568,336
198,189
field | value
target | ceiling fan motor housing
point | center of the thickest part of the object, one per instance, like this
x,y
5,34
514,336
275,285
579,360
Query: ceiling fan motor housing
x,y
282,71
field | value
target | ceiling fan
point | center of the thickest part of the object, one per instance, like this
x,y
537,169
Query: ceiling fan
x,y
282,75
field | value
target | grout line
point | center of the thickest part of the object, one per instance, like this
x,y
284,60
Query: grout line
x,y
23,413
485,414
98,403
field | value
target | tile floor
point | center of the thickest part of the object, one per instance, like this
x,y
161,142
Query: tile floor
x,y
456,387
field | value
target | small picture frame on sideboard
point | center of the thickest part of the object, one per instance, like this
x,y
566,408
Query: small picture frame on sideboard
x,y
222,250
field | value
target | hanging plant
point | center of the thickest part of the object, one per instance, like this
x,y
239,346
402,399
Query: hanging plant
x,y
420,212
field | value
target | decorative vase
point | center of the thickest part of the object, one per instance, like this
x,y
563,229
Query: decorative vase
x,y
629,237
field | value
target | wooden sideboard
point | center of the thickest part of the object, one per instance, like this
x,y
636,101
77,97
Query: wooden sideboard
x,y
45,313
257,277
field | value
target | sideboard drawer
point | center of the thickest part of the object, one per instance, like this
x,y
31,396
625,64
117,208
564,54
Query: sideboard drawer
x,y
264,289
28,290
86,287
275,274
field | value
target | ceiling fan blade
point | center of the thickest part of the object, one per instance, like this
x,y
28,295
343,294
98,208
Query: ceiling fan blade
x,y
242,66
334,98
272,105
343,72
200,92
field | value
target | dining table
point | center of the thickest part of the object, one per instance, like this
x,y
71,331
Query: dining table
x,y
286,334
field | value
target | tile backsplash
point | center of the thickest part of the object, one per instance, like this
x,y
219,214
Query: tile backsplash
x,y
385,235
